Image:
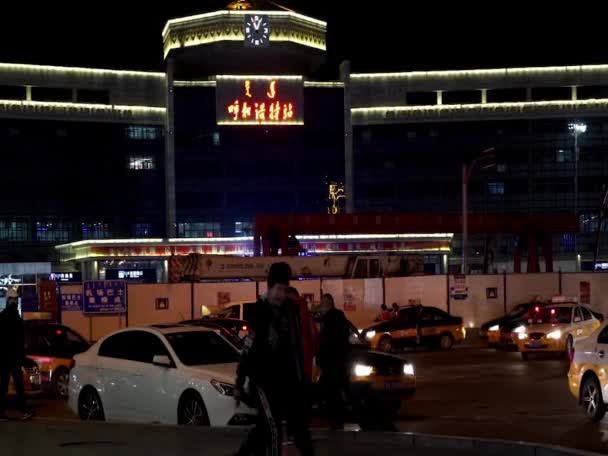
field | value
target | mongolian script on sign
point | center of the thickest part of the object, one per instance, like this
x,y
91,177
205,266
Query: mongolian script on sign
x,y
261,107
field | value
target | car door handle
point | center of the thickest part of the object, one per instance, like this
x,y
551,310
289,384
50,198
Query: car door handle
x,y
600,353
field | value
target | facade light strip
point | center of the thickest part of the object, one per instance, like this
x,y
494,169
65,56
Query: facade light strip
x,y
194,83
68,105
253,122
324,84
600,102
91,242
509,72
345,237
197,17
240,77
78,71
211,240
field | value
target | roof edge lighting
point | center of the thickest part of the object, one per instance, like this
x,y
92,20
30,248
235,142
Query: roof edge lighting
x,y
81,70
331,237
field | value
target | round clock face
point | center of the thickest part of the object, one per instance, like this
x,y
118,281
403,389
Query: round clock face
x,y
257,30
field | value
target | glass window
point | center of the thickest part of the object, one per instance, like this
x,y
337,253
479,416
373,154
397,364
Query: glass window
x,y
586,314
14,231
196,348
248,310
554,315
139,346
96,230
216,139
142,230
496,188
202,229
563,155
139,132
602,338
141,163
51,231
431,314
361,269
374,268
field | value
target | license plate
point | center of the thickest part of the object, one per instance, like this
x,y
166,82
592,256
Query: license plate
x,y
391,386
536,343
35,379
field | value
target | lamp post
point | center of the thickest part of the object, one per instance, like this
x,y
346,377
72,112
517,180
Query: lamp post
x,y
576,129
486,155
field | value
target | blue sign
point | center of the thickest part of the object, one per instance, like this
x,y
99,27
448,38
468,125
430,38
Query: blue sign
x,y
105,297
70,302
74,277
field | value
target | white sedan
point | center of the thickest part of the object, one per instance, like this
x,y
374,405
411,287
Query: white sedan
x,y
169,374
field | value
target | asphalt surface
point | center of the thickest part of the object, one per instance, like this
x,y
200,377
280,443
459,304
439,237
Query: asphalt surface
x,y
478,392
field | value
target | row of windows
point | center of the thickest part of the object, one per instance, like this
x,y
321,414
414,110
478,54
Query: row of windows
x,y
56,94
63,231
212,229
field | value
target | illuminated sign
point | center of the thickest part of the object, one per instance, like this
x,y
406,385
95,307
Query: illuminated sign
x,y
259,100
137,275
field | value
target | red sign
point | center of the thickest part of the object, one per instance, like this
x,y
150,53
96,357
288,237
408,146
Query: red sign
x,y
259,100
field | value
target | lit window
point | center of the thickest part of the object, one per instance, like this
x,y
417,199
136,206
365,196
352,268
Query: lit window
x,y
215,139
242,228
198,230
142,133
563,155
142,230
96,230
496,188
141,163
501,168
51,231
14,231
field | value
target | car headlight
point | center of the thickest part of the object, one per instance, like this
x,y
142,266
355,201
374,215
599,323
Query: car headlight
x,y
224,389
370,334
557,334
408,369
520,329
522,335
494,328
363,370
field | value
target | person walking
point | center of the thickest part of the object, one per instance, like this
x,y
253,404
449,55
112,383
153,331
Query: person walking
x,y
384,313
272,360
332,359
12,355
310,334
395,310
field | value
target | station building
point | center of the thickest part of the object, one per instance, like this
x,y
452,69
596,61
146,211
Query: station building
x,y
241,123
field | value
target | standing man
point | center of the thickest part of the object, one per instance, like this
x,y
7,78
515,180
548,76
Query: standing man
x,y
12,354
272,360
332,359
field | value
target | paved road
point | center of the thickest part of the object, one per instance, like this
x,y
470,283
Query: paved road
x,y
482,393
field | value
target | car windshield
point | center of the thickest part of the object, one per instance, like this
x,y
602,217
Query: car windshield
x,y
553,315
195,348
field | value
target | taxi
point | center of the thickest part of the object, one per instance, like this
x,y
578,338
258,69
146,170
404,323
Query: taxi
x,y
494,330
52,347
414,326
32,379
555,329
588,374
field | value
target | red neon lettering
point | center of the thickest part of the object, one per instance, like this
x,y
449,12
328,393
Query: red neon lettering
x,y
271,90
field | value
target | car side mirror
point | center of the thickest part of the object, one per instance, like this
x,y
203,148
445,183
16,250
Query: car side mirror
x,y
577,319
162,361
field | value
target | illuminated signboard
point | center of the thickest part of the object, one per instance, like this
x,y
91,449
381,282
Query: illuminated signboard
x,y
259,100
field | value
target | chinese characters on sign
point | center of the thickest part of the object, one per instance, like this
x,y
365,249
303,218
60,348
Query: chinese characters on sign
x,y
105,297
71,302
259,100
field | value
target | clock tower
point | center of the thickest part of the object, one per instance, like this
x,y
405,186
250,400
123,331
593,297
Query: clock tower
x,y
248,37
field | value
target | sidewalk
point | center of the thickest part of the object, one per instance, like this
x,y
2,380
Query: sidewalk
x,y
67,438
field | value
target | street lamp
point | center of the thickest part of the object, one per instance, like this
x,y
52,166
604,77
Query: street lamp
x,y
577,128
485,160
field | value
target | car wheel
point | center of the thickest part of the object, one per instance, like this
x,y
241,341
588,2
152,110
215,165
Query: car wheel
x,y
525,356
446,341
570,348
385,344
192,411
592,400
60,385
89,406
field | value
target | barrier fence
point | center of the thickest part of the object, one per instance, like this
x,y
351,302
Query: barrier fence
x,y
476,298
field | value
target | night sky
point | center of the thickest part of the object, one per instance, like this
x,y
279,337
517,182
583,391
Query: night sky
x,y
398,35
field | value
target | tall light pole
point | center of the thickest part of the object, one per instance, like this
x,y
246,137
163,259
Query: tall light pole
x,y
576,129
485,160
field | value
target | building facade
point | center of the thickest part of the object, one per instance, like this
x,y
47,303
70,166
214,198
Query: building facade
x,y
240,124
